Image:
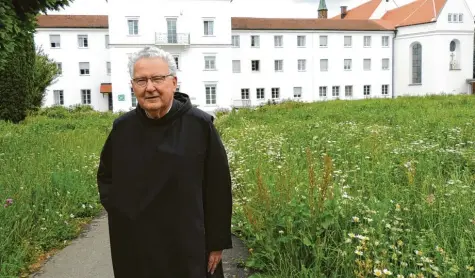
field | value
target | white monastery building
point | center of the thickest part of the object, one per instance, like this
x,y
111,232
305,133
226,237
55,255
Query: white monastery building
x,y
374,50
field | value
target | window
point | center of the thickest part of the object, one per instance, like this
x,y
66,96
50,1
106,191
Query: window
x,y
83,68
260,93
460,17
245,93
367,41
279,65
416,63
177,61
275,93
255,41
366,90
236,66
302,65
385,90
301,41
83,41
367,64
347,41
236,40
348,91
208,27
255,65
133,26
335,91
107,41
455,17
322,91
210,94
323,64
323,41
55,41
347,64
108,67
134,98
385,64
172,36
210,62
278,41
60,68
86,96
450,18
58,97
297,92
178,86
385,41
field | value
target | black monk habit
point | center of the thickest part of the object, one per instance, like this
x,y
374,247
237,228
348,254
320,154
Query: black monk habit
x,y
166,186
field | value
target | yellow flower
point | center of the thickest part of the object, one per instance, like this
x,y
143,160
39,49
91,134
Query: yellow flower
x,y
377,272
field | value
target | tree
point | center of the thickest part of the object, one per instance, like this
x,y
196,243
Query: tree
x,y
45,74
16,82
18,19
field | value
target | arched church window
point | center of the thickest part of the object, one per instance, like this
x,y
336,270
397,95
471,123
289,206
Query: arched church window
x,y
453,45
416,63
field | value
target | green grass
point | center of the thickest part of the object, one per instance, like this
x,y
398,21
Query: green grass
x,y
47,166
314,184
354,188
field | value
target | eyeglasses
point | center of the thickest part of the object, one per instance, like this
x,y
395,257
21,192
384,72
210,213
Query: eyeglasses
x,y
156,80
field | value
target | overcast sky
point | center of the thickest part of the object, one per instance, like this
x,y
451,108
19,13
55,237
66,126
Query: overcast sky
x,y
253,8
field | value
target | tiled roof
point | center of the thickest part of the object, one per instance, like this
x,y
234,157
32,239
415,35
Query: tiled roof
x,y
73,21
417,12
238,23
249,23
363,11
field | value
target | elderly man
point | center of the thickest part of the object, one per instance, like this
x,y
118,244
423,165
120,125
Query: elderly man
x,y
164,180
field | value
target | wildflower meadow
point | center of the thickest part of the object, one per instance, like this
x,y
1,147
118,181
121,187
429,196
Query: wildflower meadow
x,y
366,188
371,188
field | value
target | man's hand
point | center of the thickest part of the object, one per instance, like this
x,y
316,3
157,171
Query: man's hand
x,y
214,259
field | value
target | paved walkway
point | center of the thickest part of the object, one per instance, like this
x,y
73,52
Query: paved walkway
x,y
89,257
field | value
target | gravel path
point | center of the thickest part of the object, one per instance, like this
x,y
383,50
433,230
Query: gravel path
x,y
89,256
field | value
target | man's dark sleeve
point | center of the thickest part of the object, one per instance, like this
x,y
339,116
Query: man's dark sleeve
x,y
217,194
104,173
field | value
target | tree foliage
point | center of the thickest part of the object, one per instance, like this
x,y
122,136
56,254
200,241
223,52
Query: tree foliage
x,y
18,21
45,73
16,81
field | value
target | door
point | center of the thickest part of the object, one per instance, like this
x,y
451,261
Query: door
x,y
171,30
110,101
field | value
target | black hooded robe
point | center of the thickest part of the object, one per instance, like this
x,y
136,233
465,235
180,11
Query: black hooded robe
x,y
166,186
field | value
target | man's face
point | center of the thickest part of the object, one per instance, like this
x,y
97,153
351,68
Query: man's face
x,y
156,93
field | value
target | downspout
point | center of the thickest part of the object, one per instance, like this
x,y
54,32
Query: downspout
x,y
392,64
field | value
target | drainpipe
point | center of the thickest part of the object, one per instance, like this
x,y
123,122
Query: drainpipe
x,y
392,63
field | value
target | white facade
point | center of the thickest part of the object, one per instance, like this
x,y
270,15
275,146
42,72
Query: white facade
x,y
217,63
311,66
442,71
207,83
83,57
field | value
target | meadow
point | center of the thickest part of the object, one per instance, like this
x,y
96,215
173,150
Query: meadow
x,y
333,189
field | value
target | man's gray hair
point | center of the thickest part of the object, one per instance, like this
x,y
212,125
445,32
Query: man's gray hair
x,y
153,52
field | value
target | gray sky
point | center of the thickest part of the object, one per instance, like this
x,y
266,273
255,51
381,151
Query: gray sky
x,y
253,8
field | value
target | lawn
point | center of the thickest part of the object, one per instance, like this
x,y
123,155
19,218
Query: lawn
x,y
356,188
332,189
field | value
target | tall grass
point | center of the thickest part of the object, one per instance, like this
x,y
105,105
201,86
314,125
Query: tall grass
x,y
47,183
356,188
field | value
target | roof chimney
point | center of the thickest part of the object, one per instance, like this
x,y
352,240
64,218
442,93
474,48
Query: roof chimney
x,y
343,11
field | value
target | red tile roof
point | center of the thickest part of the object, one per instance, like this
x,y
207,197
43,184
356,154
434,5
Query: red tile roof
x,y
363,11
416,12
73,21
249,23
